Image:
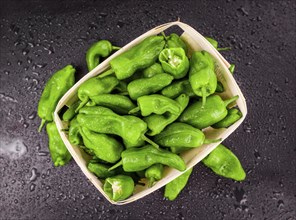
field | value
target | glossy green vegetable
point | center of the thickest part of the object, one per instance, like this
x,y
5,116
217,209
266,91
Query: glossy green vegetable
x,y
174,61
138,57
119,187
152,70
100,170
224,163
70,112
154,173
231,68
174,41
180,134
58,151
177,88
173,188
117,103
215,44
103,146
102,48
74,132
137,159
103,120
146,86
232,116
212,112
220,87
95,86
59,83
202,75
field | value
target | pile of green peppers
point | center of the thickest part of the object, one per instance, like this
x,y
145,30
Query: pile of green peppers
x,y
136,118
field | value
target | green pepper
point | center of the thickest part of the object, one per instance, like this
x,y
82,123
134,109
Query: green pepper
x,y
103,120
212,112
173,188
231,68
202,77
103,146
154,173
55,88
232,116
70,112
58,151
136,159
74,132
177,150
156,123
146,86
121,88
100,170
119,187
215,44
174,61
95,86
152,70
177,88
174,41
182,135
224,163
138,57
117,103
102,48
220,87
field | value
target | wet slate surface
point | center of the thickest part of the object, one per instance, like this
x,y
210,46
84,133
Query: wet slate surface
x,y
39,37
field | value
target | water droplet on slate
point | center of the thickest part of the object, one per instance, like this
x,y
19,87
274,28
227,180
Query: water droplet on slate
x,y
32,187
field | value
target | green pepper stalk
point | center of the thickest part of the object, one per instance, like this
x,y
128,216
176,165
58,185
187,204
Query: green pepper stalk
x,y
137,159
55,88
232,116
119,187
58,151
173,188
182,135
154,173
174,41
215,44
70,112
212,112
100,170
152,70
174,61
224,163
102,48
177,88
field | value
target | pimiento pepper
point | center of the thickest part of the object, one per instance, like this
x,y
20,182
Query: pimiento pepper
x,y
117,103
137,159
177,150
215,44
70,112
173,188
180,134
103,146
202,77
121,88
174,41
119,187
224,163
232,116
152,70
154,173
212,112
146,86
138,57
74,132
220,87
100,170
156,123
55,88
174,61
177,88
231,68
102,48
103,120
95,86
58,151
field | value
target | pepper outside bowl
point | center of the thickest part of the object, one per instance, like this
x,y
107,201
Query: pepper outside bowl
x,y
196,42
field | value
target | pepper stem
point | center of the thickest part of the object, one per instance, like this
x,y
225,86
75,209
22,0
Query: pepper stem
x,y
150,141
106,73
163,34
81,105
151,181
41,125
115,165
204,96
224,48
209,141
134,110
115,48
228,101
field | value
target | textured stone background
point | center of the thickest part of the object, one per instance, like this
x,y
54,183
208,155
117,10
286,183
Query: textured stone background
x,y
39,37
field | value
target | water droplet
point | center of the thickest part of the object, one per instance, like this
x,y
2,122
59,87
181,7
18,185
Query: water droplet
x,y
32,187
19,62
25,52
280,204
43,153
16,201
257,155
34,175
120,24
32,115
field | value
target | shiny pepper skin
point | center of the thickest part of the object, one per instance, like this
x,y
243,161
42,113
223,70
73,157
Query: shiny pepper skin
x,y
154,173
232,116
174,41
138,57
70,112
74,132
177,88
152,70
212,112
58,151
100,170
224,163
55,88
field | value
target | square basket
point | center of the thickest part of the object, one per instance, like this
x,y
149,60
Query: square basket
x,y
196,42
